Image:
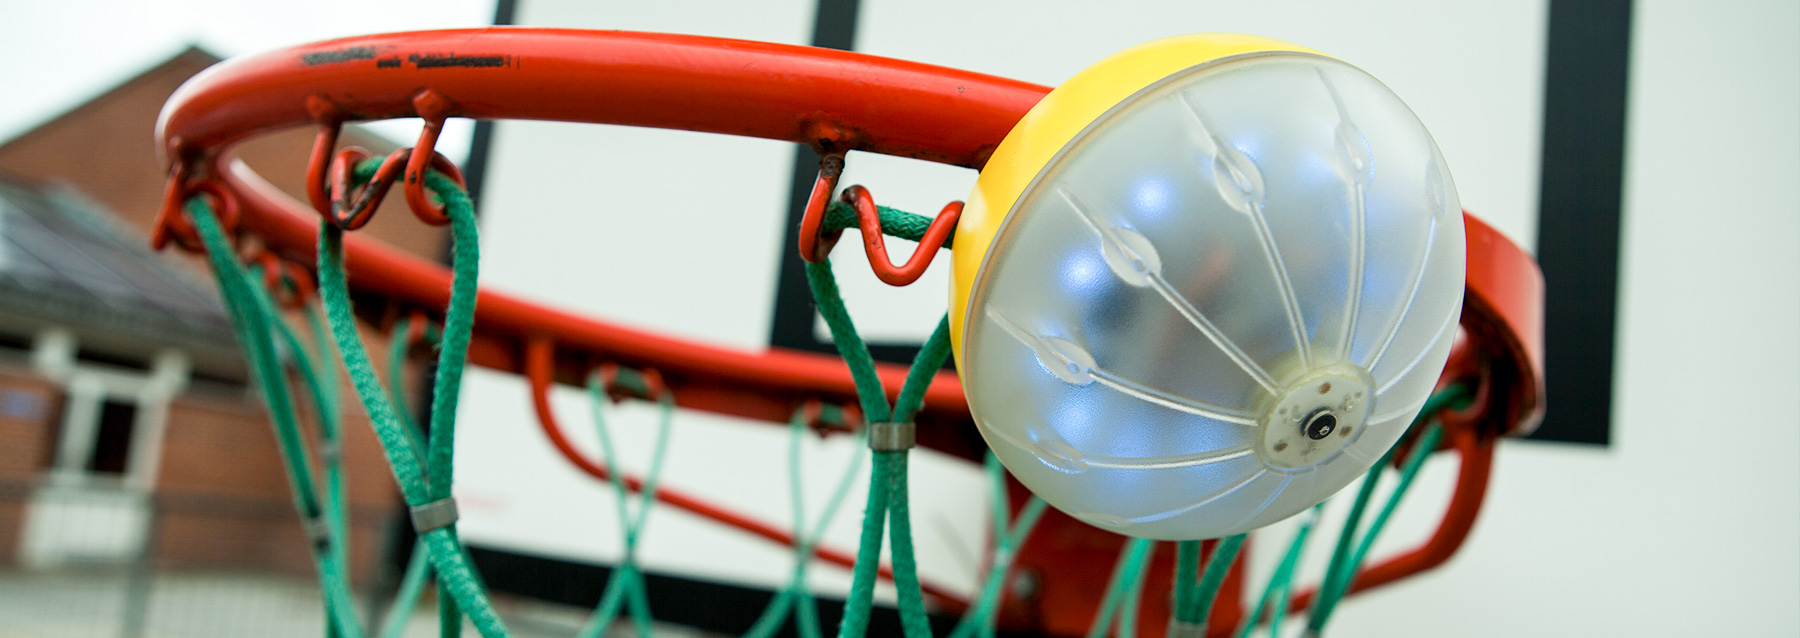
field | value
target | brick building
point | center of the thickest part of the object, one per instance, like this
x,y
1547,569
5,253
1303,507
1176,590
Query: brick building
x,y
126,421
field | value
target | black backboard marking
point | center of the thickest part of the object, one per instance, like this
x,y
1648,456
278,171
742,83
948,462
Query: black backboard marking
x,y
475,169
710,606
1587,62
401,538
792,325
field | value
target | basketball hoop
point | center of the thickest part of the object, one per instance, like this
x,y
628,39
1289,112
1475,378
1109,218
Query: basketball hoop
x,y
833,102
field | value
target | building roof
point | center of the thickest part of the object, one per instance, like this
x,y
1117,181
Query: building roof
x,y
65,259
79,195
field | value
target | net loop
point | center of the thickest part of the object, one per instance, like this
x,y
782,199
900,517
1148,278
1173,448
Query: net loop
x,y
888,508
541,371
626,585
826,419
796,596
620,383
172,221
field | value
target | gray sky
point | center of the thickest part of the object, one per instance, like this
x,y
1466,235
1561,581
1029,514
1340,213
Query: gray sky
x,y
57,55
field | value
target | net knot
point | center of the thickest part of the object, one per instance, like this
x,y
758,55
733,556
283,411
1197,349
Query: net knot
x,y
318,531
891,436
433,516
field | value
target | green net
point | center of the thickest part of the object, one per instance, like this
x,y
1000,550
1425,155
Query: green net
x,y
423,467
627,582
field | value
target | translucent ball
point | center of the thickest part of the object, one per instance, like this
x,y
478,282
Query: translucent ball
x,y
1219,303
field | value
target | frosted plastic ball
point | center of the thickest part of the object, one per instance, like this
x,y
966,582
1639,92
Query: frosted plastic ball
x,y
1221,301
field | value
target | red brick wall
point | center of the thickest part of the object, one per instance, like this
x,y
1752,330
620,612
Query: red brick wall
x,y
225,498
26,431
220,448
222,490
27,425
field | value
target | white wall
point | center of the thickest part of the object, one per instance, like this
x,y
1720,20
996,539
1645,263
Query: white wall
x,y
1689,524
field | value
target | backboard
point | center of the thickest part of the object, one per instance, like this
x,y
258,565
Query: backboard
x,y
690,234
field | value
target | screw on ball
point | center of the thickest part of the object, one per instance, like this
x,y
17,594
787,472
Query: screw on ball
x,y
1320,425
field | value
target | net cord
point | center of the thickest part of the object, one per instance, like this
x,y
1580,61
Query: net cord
x,y
420,483
888,506
255,331
627,582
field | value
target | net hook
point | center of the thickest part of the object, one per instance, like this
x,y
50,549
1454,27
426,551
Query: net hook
x,y
434,107
620,383
419,329
172,223
319,164
351,207
332,184
815,241
868,217
290,282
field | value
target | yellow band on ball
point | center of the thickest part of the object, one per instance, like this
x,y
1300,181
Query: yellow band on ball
x,y
1052,124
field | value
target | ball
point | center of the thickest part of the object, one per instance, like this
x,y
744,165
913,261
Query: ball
x,y
1205,284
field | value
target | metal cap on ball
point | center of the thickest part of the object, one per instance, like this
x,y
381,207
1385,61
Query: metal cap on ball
x,y
1205,284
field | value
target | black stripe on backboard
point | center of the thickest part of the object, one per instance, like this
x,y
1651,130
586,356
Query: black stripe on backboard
x,y
400,541
475,170
792,326
709,606
1587,62
1578,246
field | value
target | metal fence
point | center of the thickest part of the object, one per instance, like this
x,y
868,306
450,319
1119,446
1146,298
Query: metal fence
x,y
90,560
96,561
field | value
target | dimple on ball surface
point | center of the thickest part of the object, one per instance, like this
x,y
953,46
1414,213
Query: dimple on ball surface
x,y
1220,302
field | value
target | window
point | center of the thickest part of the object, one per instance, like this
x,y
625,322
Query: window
x,y
112,441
